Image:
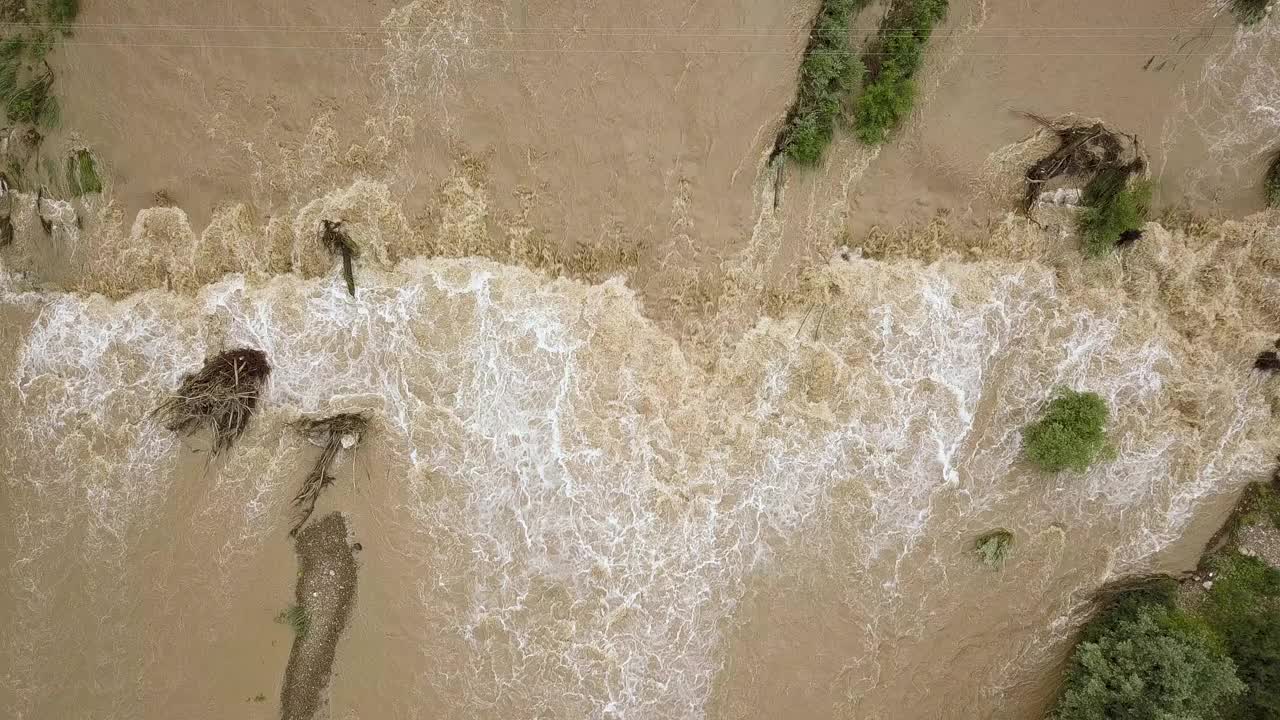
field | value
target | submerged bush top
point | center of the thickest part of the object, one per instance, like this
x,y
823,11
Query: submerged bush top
x,y
1112,206
1070,434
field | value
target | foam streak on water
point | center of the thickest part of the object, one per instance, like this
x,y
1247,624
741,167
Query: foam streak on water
x,y
593,504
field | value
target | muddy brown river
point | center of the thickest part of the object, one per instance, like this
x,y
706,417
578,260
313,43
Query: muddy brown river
x,y
643,443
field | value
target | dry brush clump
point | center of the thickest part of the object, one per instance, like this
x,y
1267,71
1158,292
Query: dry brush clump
x,y
222,397
333,434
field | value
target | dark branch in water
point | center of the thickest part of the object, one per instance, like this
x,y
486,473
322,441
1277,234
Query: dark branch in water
x,y
44,222
336,240
1267,361
6,211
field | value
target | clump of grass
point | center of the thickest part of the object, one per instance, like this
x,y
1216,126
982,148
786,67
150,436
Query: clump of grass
x,y
993,547
295,616
829,71
1114,209
1070,434
1271,181
335,239
334,434
32,102
222,396
892,61
82,173
1249,12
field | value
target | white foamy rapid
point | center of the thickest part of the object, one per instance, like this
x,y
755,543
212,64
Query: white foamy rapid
x,y
572,509
1235,108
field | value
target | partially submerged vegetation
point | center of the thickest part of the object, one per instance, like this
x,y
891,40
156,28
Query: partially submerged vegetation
x,y
1250,12
829,71
1070,434
893,59
295,616
26,80
333,434
82,173
1271,181
221,397
992,548
1116,198
1205,650
1114,210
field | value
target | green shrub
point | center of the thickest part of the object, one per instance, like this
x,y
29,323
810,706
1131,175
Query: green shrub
x,y
1111,206
1070,434
82,174
1249,12
893,61
1243,608
1244,585
882,106
993,547
829,71
1254,645
1147,666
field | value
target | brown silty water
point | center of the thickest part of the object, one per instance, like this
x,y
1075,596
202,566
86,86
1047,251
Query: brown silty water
x,y
580,496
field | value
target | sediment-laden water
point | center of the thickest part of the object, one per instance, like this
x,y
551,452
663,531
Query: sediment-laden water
x,y
563,512
574,501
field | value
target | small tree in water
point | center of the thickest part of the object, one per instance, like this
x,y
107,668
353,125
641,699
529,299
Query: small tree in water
x,y
1070,434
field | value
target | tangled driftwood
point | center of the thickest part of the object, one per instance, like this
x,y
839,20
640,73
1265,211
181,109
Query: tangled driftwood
x,y
334,434
222,396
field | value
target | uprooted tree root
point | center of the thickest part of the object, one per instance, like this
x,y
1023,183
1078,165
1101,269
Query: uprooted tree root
x,y
335,239
1084,151
334,434
222,396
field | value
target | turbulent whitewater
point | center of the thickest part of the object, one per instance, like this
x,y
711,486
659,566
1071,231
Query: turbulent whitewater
x,y
563,511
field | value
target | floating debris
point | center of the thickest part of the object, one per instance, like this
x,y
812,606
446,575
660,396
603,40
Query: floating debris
x,y
6,212
336,240
221,397
1083,151
334,434
1268,361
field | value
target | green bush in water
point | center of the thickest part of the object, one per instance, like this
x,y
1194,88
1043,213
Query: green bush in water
x,y
1070,434
993,547
82,174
